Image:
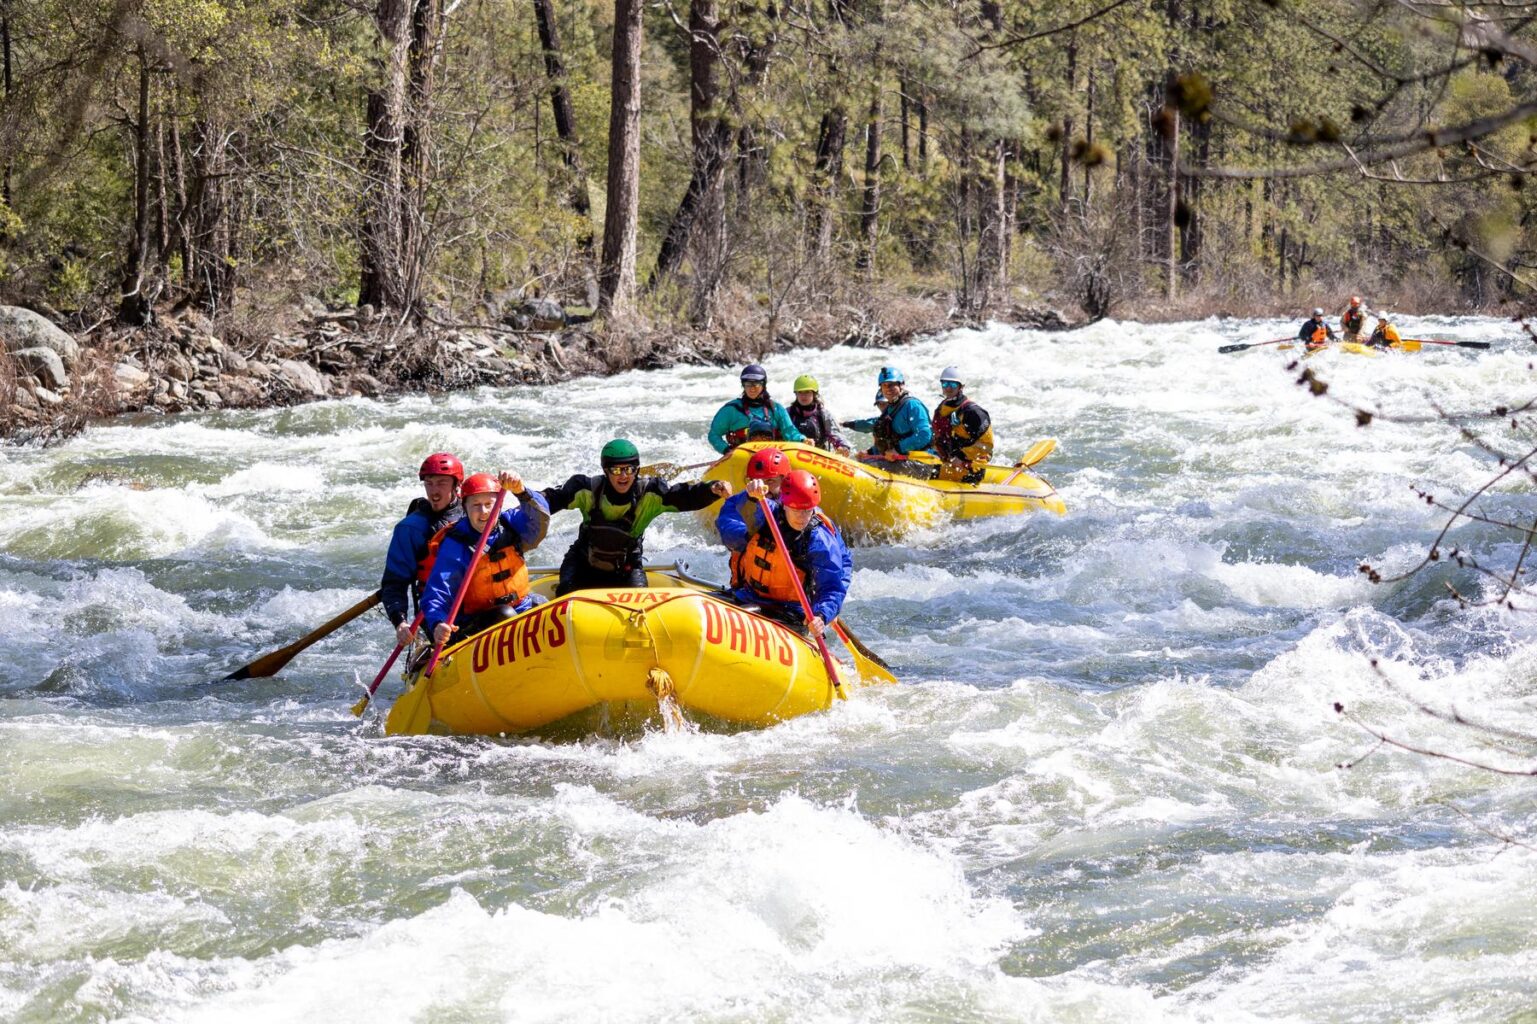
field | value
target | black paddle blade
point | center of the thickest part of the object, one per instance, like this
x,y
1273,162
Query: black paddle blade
x,y
1235,348
1472,344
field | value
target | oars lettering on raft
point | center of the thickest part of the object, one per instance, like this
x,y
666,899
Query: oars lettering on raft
x,y
271,664
800,592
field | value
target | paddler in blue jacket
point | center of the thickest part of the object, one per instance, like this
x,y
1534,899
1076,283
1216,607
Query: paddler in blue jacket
x,y
761,569
903,427
406,564
498,588
753,417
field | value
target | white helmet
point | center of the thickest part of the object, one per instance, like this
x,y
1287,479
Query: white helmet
x,y
951,373
1318,311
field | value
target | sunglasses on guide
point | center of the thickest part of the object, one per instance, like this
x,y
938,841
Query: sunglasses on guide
x,y
623,470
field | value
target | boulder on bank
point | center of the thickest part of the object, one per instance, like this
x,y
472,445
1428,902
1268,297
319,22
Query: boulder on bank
x,y
22,329
45,364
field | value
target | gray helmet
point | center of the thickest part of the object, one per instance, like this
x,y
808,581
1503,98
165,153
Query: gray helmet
x,y
1318,311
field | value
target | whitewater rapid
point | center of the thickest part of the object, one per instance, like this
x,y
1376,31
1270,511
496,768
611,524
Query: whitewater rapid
x,y
1108,788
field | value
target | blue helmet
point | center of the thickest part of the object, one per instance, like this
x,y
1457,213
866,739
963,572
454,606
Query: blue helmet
x,y
754,372
890,375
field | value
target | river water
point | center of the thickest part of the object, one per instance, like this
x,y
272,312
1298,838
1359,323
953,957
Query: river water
x,y
1107,790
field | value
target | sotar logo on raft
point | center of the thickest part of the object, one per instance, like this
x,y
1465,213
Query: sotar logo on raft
x,y
741,631
638,597
541,628
823,462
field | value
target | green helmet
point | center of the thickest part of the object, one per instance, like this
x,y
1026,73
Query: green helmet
x,y
805,382
618,452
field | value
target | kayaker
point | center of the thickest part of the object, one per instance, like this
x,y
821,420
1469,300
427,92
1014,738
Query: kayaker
x,y
963,432
753,417
812,419
817,554
1353,320
902,427
499,588
1315,333
406,563
1384,335
616,508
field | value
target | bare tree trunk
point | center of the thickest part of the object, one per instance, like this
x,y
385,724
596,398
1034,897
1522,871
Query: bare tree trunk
x,y
1065,181
416,148
565,116
1088,140
907,149
179,222
870,200
383,275
711,139
1172,225
616,275
5,62
134,307
829,172
923,137
212,239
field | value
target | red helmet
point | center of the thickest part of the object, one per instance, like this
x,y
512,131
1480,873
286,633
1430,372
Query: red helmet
x,y
801,490
480,483
767,463
1355,300
441,464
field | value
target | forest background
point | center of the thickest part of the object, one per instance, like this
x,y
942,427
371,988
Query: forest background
x,y
756,167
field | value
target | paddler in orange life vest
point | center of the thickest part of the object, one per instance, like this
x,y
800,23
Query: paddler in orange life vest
x,y
753,417
406,564
1353,320
1315,333
816,553
963,432
499,587
767,465
902,427
616,509
1385,335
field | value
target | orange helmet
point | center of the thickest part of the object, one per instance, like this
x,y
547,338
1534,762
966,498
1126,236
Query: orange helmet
x,y
1355,300
801,490
480,483
767,463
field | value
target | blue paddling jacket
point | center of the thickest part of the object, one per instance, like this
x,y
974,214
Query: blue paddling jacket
x,y
817,552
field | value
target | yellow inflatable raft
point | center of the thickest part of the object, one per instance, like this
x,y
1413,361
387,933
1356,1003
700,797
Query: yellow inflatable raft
x,y
870,503
602,659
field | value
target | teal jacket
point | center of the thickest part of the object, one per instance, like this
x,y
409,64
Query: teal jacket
x,y
739,419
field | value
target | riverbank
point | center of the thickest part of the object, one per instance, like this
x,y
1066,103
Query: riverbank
x,y
54,382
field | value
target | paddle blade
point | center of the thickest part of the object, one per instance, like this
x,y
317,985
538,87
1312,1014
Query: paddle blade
x,y
666,470
866,662
1036,452
1235,348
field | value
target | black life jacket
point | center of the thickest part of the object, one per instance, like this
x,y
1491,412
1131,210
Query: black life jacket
x,y
1353,320
611,544
887,437
811,421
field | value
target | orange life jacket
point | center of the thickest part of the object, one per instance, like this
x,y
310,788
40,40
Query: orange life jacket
x,y
1320,335
765,568
424,567
500,577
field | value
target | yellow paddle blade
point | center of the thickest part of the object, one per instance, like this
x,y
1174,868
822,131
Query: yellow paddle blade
x,y
412,713
1036,453
361,706
1407,345
866,663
